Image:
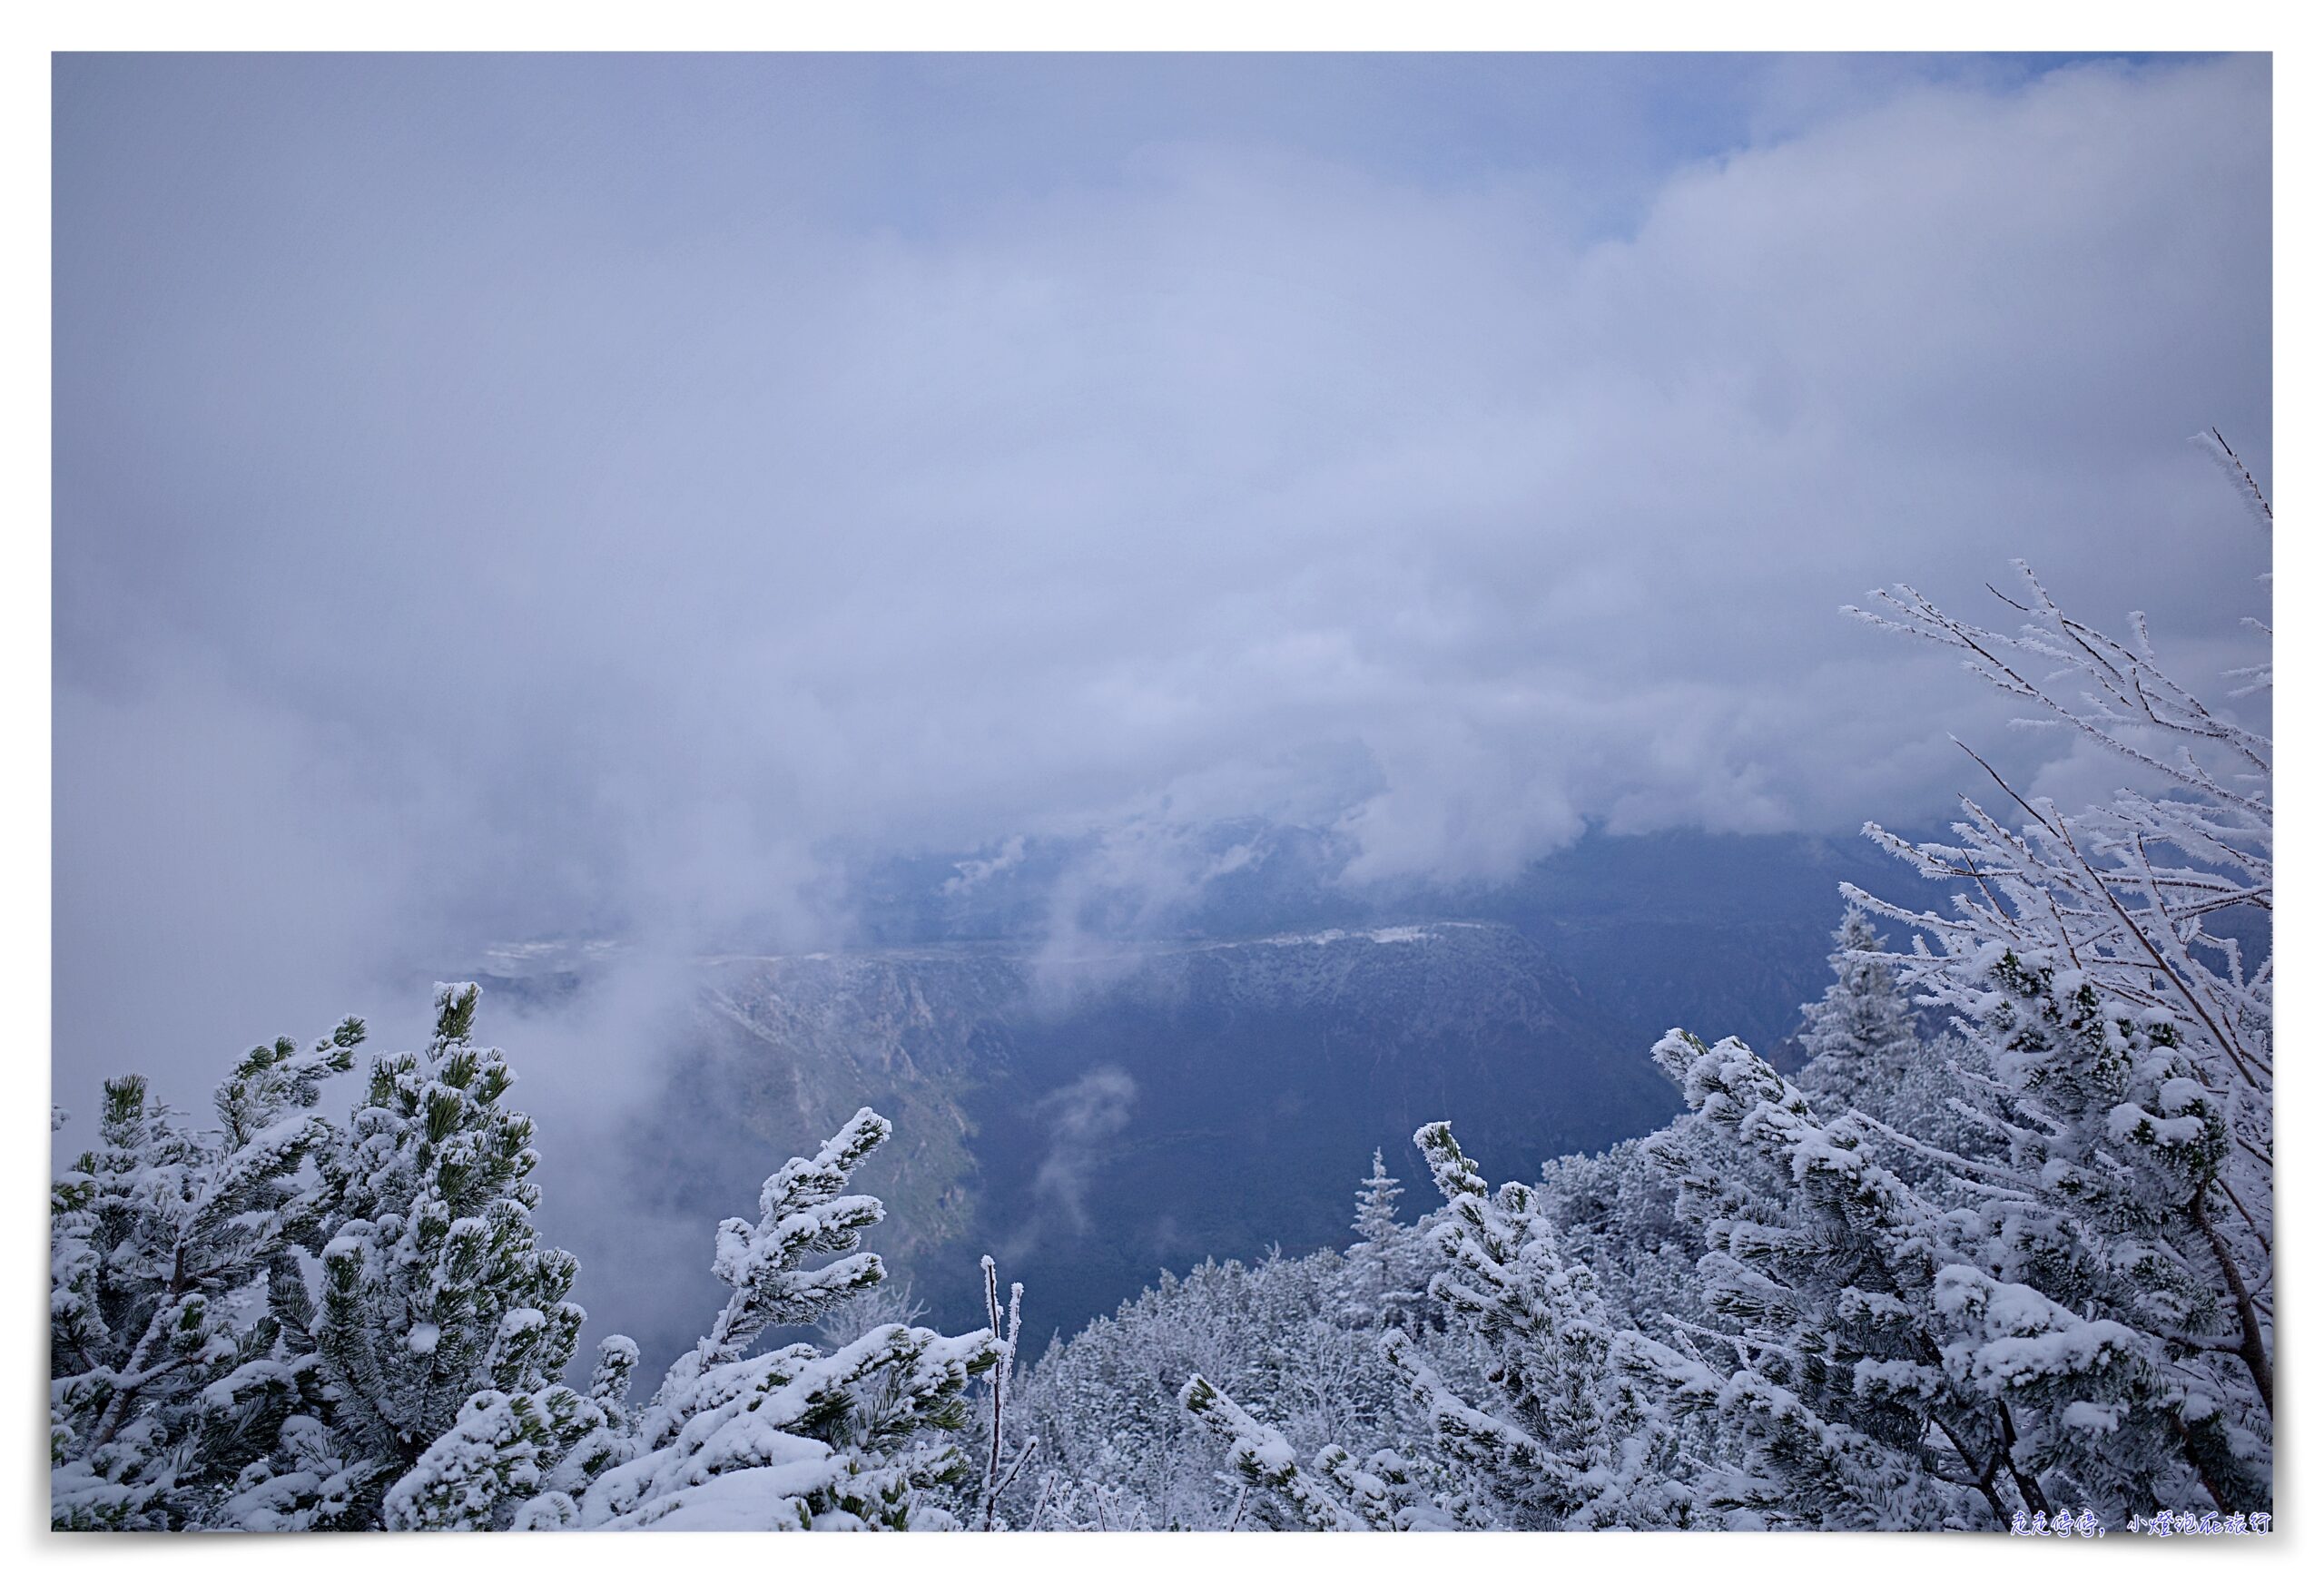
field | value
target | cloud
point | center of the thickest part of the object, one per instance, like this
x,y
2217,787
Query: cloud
x,y
1081,1116
503,499
974,872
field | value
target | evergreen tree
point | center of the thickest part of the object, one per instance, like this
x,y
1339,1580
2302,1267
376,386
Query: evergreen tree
x,y
1340,1496
1564,1437
795,1437
2113,1157
1283,1338
1375,1206
1386,1268
284,1324
519,1459
1891,1362
1859,1039
1824,1368
2123,1090
161,1371
432,1285
1616,1212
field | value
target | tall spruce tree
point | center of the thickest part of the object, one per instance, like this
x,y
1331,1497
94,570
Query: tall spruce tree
x,y
1860,1039
1375,1206
1386,1265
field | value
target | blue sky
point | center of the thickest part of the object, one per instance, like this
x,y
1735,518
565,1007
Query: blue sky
x,y
512,496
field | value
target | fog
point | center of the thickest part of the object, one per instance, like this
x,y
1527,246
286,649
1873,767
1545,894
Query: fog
x,y
590,497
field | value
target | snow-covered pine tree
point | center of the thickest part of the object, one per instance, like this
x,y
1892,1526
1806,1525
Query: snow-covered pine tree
x,y
1885,1357
2127,1044
518,1460
279,1325
162,1364
794,1438
1118,1450
1823,1371
1614,1211
1386,1264
1567,1437
1339,1496
1860,1039
1375,1206
432,1285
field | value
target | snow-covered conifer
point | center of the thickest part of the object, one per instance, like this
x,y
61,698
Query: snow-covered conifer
x,y
1375,1206
1265,1462
1119,1451
1566,1437
1386,1266
1859,1039
1614,1211
1881,1360
794,1438
1824,1364
163,1367
2124,1039
432,1284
